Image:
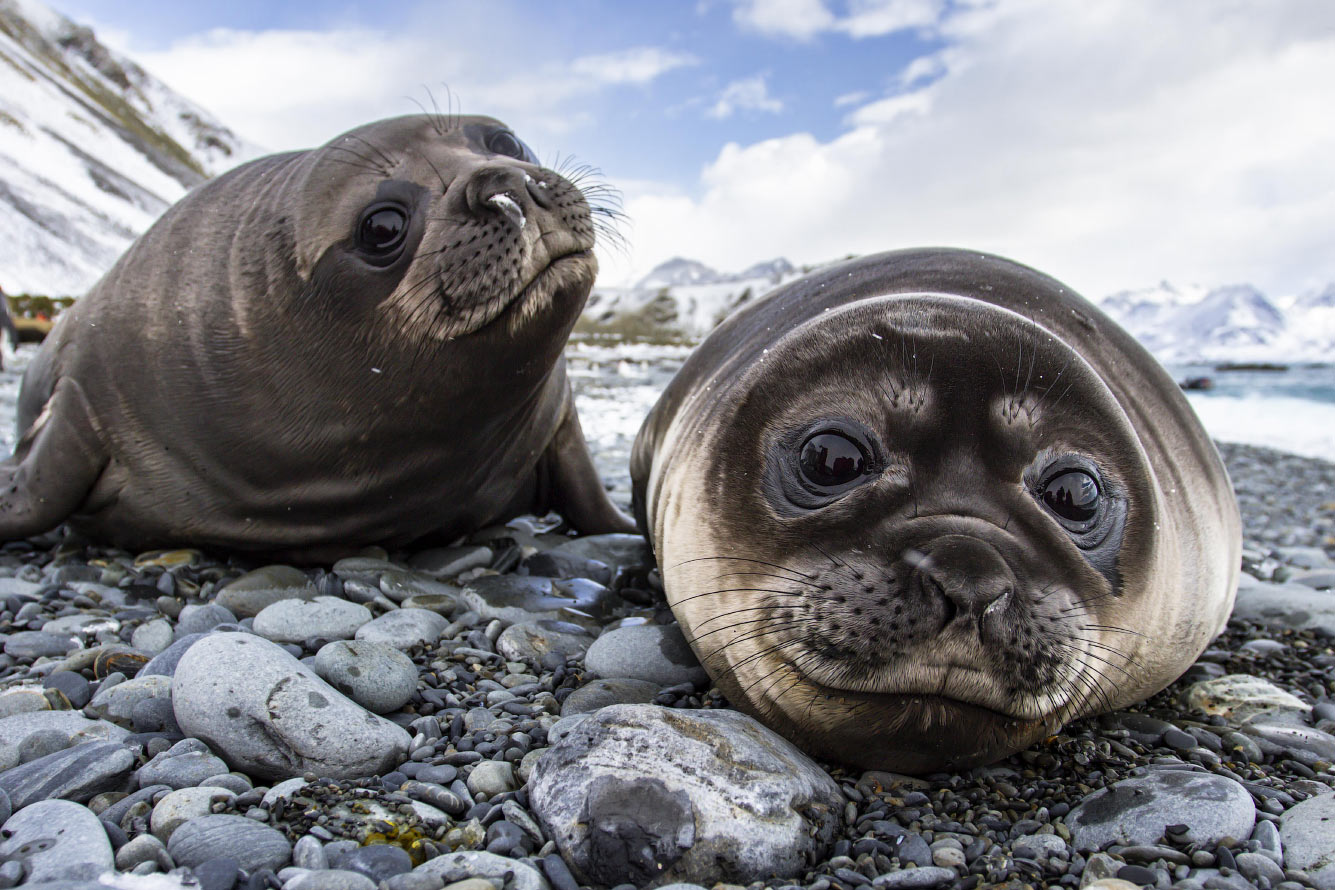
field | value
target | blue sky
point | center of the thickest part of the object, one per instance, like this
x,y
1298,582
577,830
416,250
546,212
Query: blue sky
x,y
1113,144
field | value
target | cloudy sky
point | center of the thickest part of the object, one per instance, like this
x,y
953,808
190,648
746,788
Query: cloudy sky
x,y
1111,143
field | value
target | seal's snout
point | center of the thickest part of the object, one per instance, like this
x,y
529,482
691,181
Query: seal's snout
x,y
500,190
967,576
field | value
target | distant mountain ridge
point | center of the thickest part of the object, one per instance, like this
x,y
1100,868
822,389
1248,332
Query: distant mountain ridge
x,y
92,150
685,298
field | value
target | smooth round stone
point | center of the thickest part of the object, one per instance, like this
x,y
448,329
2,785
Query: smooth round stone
x,y
399,585
616,550
1239,698
165,662
58,841
558,564
702,792
324,617
152,636
404,628
492,777
6,808
1255,865
1308,834
72,724
271,716
1136,810
917,878
40,744
1323,579
454,867
23,700
144,848
252,844
376,676
198,619
117,703
1038,846
250,594
217,874
1284,605
656,653
71,625
515,599
432,602
378,862
331,879
530,642
36,644
76,773
183,766
449,562
73,686
182,805
602,693
364,568
1295,739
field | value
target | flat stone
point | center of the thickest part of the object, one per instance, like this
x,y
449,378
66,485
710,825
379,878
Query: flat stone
x,y
187,764
399,585
1239,698
461,866
23,700
450,562
57,841
492,777
1284,605
1308,834
559,564
252,844
250,594
73,726
36,644
165,662
200,618
271,716
640,794
378,862
153,636
404,628
331,879
916,878
1136,810
143,848
656,653
375,675
117,703
601,693
530,641
324,617
616,550
75,774
516,599
363,568
182,805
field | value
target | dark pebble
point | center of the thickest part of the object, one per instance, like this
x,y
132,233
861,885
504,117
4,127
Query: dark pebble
x,y
379,862
217,874
558,873
74,686
1138,874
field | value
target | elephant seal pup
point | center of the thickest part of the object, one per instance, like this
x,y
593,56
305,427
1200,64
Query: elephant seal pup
x,y
918,510
358,344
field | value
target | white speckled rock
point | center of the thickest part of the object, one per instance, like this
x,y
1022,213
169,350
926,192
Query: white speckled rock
x,y
183,805
454,867
1136,810
404,628
1241,697
271,716
1308,832
376,676
642,794
58,840
325,617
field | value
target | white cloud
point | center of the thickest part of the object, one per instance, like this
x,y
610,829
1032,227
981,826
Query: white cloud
x,y
804,19
748,94
853,98
294,89
1109,144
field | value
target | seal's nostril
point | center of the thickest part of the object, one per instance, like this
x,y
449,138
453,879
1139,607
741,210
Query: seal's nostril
x,y
506,203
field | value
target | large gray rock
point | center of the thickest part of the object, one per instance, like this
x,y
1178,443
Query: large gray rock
x,y
648,795
57,841
252,844
325,617
404,628
271,716
1308,833
1285,605
532,641
656,653
75,774
1136,810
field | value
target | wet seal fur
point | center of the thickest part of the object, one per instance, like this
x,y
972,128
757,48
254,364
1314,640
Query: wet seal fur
x,y
918,510
358,344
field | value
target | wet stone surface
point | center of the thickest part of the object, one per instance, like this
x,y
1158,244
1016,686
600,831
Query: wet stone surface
x,y
484,683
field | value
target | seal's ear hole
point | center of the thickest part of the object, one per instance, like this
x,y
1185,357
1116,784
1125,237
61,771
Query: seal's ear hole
x,y
381,231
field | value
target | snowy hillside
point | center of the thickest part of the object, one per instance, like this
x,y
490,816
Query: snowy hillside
x,y
685,298
92,150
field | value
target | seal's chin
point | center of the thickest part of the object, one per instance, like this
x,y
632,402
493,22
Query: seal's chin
x,y
566,279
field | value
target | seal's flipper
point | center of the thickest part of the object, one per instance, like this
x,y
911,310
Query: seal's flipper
x,y
575,490
55,464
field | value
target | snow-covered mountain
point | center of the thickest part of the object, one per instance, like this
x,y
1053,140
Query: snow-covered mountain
x,y
684,298
92,150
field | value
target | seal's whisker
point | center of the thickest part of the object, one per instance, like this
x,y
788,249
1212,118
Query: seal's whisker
x,y
762,652
375,149
695,596
1097,657
763,575
444,186
772,565
1112,629
695,638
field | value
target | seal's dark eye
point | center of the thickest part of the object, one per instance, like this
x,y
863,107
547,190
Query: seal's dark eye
x,y
1073,496
503,142
830,459
382,229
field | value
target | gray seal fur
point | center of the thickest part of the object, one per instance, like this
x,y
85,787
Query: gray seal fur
x,y
917,510
282,364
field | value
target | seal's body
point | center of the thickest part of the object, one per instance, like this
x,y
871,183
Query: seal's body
x,y
917,510
320,350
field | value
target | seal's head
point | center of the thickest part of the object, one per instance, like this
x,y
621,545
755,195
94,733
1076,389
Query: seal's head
x,y
919,531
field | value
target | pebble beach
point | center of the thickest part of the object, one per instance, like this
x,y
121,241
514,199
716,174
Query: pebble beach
x,y
520,710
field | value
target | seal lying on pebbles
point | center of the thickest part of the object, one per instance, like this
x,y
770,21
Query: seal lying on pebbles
x,y
319,350
918,510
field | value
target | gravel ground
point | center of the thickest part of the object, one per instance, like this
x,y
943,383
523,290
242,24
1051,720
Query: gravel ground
x,y
483,704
